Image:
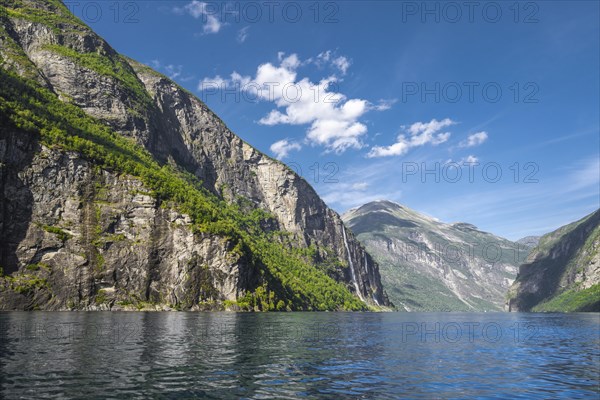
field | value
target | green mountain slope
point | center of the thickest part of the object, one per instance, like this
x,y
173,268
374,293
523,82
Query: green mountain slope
x,y
563,272
121,190
427,265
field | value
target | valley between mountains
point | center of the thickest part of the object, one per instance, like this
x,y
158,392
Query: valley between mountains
x,y
428,265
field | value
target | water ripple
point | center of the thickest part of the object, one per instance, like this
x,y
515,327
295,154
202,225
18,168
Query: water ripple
x,y
299,355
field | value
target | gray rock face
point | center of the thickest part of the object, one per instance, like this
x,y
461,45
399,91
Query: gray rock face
x,y
104,238
156,262
427,265
564,262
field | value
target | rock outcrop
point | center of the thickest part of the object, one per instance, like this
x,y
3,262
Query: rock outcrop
x,y
562,273
106,232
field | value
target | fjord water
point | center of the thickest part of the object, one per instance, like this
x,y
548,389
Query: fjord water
x,y
299,355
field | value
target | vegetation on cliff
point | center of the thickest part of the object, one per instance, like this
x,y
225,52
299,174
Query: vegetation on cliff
x,y
562,274
289,278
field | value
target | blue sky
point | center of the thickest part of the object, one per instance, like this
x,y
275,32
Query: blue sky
x,y
391,99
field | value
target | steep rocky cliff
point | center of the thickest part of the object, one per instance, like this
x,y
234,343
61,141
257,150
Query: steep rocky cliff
x,y
562,273
427,265
91,217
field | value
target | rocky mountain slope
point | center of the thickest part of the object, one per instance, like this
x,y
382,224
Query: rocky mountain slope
x,y
529,241
427,265
563,272
122,190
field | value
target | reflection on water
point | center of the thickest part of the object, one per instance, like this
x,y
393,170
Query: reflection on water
x,y
299,355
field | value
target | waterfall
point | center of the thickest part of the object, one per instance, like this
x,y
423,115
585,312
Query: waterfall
x,y
375,300
351,265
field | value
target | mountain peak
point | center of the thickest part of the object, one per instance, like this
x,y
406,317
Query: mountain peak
x,y
529,241
420,271
464,226
131,149
379,205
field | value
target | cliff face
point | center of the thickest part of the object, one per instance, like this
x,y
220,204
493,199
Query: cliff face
x,y
88,238
562,273
427,265
118,236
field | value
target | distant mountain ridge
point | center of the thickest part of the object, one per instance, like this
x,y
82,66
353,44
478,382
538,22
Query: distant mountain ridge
x,y
562,273
428,265
529,241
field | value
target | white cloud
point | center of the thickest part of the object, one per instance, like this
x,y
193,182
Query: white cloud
x,y
342,64
242,34
396,149
464,161
325,58
155,64
360,186
419,134
384,105
333,119
171,70
217,81
199,9
585,175
475,139
282,148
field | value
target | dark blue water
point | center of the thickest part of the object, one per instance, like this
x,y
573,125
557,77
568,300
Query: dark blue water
x,y
299,355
